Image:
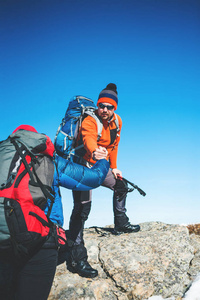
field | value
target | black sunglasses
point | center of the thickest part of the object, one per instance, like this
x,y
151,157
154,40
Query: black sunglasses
x,y
109,107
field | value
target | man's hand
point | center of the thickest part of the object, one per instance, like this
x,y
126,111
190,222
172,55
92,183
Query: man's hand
x,y
100,153
116,172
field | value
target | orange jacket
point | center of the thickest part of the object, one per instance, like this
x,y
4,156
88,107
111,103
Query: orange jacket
x,y
89,134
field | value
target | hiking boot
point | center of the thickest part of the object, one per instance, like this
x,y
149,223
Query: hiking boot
x,y
83,268
128,228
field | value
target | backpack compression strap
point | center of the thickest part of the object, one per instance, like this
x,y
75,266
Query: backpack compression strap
x,y
48,193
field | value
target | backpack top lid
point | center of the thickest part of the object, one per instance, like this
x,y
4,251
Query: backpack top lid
x,y
77,106
34,142
39,143
25,127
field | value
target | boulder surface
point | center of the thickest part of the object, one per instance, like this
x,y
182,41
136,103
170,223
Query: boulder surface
x,y
161,259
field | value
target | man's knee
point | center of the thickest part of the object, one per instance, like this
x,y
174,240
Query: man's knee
x,y
86,207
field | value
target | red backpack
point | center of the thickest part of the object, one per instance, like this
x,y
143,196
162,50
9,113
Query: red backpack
x,y
26,176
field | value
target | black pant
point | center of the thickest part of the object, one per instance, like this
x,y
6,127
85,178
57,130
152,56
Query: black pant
x,y
30,281
80,213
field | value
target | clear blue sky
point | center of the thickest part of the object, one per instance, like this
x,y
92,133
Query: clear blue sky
x,y
53,50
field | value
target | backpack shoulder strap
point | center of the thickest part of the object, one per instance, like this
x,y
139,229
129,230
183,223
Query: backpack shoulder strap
x,y
117,122
99,123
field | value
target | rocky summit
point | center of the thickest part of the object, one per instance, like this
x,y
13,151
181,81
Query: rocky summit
x,y
161,259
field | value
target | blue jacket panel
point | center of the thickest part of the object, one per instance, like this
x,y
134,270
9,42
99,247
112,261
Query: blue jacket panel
x,y
56,215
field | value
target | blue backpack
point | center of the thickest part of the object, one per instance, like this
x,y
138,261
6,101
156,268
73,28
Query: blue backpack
x,y
67,132
79,107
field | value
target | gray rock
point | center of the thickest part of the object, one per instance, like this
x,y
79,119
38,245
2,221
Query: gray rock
x,y
195,262
160,259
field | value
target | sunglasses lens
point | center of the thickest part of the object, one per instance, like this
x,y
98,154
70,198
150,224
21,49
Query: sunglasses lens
x,y
101,105
109,107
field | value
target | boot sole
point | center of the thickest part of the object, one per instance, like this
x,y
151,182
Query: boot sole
x,y
116,232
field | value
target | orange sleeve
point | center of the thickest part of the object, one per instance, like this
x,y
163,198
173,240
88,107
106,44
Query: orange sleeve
x,y
89,134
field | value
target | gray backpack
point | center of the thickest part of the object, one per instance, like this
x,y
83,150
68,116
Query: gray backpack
x,y
26,176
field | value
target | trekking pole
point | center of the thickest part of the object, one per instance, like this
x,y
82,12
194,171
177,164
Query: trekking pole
x,y
124,186
136,187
